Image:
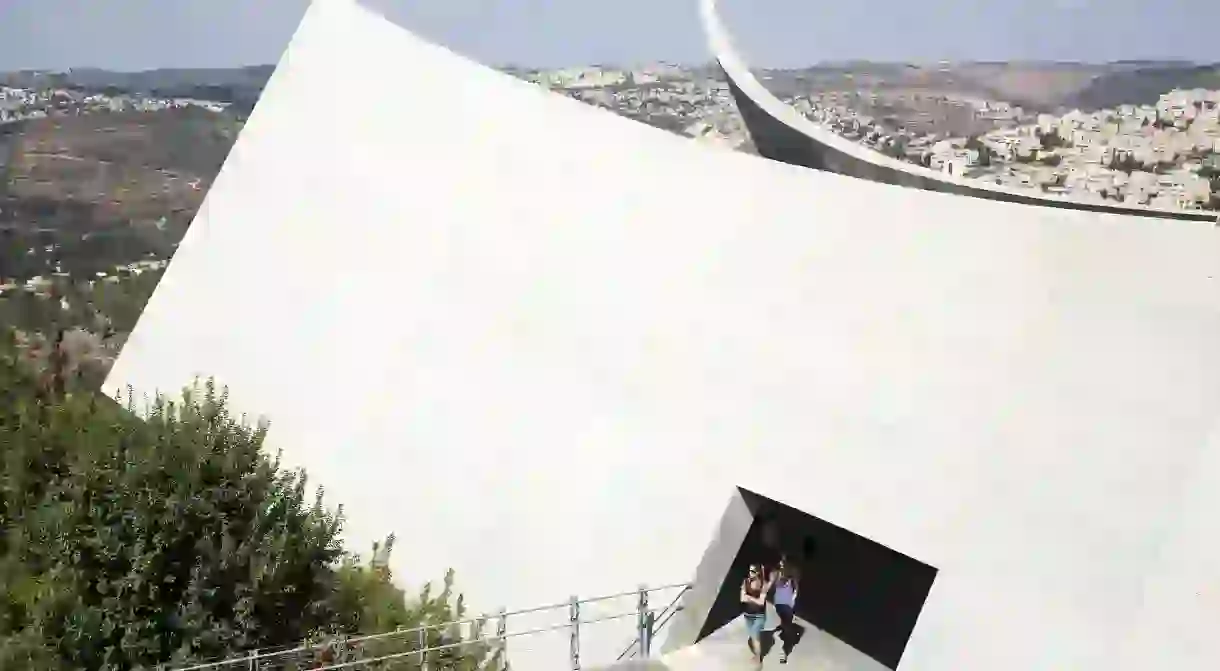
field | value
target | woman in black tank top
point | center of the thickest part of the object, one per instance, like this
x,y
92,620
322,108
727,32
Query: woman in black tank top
x,y
754,591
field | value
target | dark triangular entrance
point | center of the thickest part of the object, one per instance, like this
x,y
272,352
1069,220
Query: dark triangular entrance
x,y
851,587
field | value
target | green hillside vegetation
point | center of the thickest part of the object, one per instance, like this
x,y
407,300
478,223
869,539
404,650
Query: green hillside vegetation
x,y
132,543
113,306
94,320
190,140
105,189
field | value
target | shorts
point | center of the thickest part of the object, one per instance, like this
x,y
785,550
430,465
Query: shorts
x,y
754,624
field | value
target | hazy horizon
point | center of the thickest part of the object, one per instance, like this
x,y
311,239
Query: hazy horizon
x,y
820,64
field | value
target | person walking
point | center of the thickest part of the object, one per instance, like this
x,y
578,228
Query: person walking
x,y
754,591
786,589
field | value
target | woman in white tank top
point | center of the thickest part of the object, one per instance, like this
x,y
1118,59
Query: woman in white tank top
x,y
786,589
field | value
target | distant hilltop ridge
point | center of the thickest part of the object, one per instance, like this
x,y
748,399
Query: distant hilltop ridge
x,y
140,81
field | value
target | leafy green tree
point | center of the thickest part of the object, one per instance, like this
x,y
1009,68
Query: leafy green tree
x,y
134,542
369,602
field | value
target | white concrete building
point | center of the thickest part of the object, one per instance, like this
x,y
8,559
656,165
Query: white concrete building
x,y
1020,406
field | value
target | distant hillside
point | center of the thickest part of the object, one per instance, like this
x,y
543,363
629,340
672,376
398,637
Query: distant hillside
x,y
171,78
189,142
1037,86
109,188
1034,86
1142,85
1041,86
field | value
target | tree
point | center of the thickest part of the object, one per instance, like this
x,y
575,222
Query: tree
x,y
894,150
369,602
1126,163
974,142
131,542
171,539
1051,139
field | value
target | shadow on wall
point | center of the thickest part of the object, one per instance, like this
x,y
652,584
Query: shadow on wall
x,y
855,589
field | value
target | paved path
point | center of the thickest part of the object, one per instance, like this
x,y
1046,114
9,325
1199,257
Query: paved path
x,y
726,650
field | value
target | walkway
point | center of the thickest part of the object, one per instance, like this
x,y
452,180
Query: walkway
x,y
726,650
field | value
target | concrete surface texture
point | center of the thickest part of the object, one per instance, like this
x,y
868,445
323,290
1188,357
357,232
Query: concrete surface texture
x,y
544,345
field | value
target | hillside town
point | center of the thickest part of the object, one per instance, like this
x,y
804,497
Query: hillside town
x,y
1165,155
18,104
691,102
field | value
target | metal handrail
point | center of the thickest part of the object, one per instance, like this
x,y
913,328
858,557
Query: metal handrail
x,y
663,618
477,641
259,656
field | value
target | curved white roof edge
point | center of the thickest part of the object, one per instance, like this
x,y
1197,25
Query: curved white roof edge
x,y
740,76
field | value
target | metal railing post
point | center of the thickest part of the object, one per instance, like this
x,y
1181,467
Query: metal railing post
x,y
254,660
649,628
423,648
502,637
641,616
574,620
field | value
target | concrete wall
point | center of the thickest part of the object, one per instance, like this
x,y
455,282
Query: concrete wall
x,y
545,345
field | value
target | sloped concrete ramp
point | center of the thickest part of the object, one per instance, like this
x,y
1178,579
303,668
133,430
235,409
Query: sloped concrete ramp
x,y
726,650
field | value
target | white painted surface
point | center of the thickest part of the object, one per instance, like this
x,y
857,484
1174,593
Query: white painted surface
x,y
540,342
